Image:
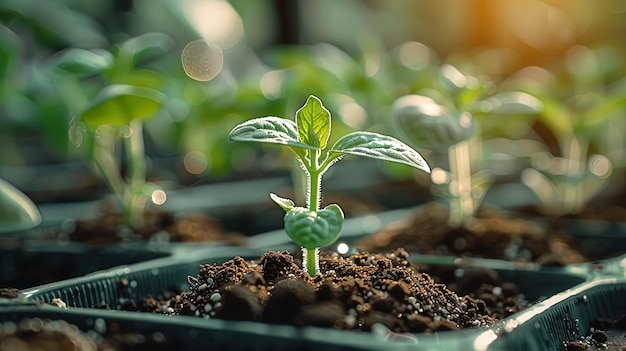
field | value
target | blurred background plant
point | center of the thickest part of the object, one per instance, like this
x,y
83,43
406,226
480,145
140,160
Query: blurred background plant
x,y
108,125
445,119
581,133
359,57
17,211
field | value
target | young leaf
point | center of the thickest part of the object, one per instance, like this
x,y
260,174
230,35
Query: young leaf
x,y
118,104
381,147
273,130
313,229
313,123
83,62
285,204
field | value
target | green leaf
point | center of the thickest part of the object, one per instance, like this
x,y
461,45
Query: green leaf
x,y
270,129
117,105
451,79
285,204
83,62
429,124
17,211
381,147
313,229
10,50
313,123
512,103
147,46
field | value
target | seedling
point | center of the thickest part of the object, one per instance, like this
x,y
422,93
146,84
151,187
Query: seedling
x,y
444,118
312,227
129,98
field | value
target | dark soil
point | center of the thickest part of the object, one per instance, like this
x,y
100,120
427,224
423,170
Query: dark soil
x,y
109,228
101,237
353,293
605,334
489,235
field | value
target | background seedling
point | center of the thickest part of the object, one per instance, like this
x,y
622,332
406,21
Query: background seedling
x,y
443,118
116,113
312,227
582,128
17,211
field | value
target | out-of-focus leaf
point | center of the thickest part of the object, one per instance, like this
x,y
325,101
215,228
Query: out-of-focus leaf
x,y
17,211
55,20
512,103
451,79
10,49
557,118
147,46
83,62
429,124
142,78
117,105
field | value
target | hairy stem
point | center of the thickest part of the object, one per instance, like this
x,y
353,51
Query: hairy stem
x,y
310,257
311,261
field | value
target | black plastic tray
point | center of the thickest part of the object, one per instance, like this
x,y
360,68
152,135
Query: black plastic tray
x,y
563,317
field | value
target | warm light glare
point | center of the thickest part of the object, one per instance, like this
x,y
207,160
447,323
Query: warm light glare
x,y
215,20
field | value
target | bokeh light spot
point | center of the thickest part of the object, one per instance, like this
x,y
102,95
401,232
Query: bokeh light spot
x,y
600,166
343,248
414,55
159,197
202,60
272,84
352,114
195,162
439,176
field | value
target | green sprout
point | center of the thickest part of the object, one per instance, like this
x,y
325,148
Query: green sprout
x,y
312,227
445,119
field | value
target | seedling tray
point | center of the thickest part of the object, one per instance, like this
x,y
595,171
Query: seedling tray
x,y
563,317
113,287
